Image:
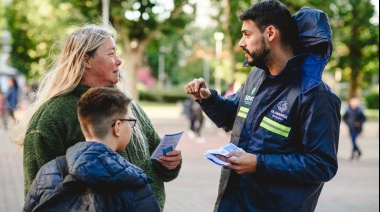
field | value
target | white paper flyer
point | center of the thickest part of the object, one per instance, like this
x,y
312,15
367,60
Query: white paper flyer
x,y
168,143
211,154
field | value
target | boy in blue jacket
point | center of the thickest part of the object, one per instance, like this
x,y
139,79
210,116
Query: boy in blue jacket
x,y
107,126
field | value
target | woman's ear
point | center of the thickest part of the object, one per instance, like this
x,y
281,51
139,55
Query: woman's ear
x,y
86,61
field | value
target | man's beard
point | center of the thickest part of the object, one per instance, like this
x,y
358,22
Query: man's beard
x,y
258,58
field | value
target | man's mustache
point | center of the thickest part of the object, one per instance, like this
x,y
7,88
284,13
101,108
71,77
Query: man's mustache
x,y
247,51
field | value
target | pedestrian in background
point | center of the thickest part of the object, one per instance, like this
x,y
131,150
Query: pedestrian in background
x,y
12,97
229,91
284,117
50,126
3,112
94,162
354,118
196,118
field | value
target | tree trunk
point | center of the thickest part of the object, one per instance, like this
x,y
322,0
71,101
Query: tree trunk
x,y
132,60
353,88
356,66
229,45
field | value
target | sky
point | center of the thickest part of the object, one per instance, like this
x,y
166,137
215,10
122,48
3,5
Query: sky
x,y
203,11
376,3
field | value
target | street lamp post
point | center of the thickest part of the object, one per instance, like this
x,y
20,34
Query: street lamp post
x,y
206,71
200,53
218,54
105,11
161,67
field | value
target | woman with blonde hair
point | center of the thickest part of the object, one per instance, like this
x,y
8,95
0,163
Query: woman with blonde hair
x,y
50,126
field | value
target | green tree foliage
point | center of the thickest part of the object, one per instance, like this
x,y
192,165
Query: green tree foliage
x,y
2,14
2,23
169,47
138,22
229,24
168,23
360,38
187,55
355,38
35,24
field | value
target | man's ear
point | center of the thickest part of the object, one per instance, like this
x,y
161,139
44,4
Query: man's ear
x,y
86,61
271,32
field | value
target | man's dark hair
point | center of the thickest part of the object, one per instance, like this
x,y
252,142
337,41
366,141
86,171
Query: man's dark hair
x,y
273,12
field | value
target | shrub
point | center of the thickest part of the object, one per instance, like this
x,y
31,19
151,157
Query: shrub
x,y
163,95
372,100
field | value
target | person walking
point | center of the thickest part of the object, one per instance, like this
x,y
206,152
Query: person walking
x,y
12,97
195,116
3,112
229,91
285,118
107,126
354,118
50,126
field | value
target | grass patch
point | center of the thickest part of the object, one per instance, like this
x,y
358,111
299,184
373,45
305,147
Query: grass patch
x,y
372,114
157,104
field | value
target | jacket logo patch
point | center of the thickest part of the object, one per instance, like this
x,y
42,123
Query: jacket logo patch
x,y
282,106
279,114
248,99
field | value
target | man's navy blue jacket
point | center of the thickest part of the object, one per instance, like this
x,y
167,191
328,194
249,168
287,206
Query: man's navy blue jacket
x,y
290,121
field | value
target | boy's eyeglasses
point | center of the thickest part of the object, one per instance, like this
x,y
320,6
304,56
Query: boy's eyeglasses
x,y
131,122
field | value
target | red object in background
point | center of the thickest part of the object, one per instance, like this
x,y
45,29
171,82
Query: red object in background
x,y
145,76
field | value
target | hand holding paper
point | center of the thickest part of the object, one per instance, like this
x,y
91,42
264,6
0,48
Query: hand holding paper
x,y
211,154
171,160
168,143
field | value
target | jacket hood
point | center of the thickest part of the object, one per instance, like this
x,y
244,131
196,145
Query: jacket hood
x,y
314,39
99,166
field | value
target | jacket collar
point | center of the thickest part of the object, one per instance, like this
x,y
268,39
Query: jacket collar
x,y
99,166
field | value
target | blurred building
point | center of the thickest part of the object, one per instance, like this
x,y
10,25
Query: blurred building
x,y
6,71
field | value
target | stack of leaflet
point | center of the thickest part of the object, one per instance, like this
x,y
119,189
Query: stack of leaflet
x,y
211,154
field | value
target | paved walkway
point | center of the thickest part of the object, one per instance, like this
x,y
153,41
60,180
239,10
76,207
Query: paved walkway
x,y
355,188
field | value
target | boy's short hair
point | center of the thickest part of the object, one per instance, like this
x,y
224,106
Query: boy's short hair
x,y
100,107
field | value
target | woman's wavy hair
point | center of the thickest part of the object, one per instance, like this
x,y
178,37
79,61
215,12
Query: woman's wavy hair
x,y
66,72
